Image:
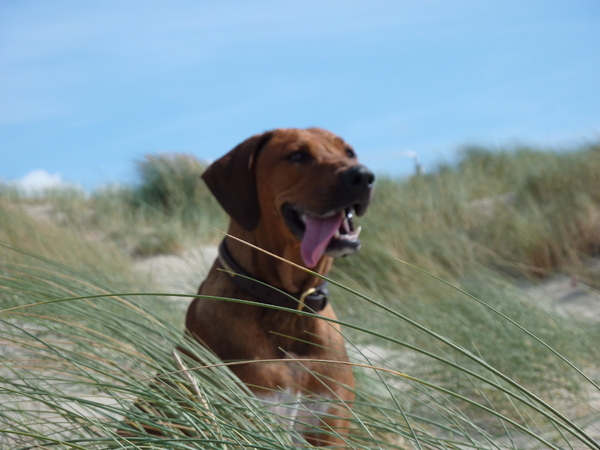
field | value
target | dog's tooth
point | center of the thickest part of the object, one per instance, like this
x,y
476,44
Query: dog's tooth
x,y
346,226
358,230
349,220
337,234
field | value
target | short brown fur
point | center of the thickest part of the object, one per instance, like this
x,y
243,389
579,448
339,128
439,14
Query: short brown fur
x,y
265,179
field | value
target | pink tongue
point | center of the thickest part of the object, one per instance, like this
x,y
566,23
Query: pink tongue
x,y
317,236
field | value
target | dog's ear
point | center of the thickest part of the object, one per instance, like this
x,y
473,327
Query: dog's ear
x,y
231,180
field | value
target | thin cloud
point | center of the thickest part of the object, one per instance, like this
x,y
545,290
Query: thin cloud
x,y
40,180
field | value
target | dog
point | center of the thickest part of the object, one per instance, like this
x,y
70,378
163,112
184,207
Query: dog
x,y
293,193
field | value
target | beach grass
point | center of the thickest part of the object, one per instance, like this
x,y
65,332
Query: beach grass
x,y
447,349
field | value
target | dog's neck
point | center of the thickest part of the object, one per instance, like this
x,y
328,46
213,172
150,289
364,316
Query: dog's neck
x,y
275,272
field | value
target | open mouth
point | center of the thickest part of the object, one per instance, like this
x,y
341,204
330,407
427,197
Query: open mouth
x,y
332,233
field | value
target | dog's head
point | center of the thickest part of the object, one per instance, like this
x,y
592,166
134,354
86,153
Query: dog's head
x,y
307,184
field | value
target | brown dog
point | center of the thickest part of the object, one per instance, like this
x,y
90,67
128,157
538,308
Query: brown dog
x,y
290,192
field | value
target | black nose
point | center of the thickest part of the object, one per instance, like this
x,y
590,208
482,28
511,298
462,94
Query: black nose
x,y
358,178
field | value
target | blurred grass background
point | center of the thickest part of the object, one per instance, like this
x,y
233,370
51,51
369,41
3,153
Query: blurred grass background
x,y
496,220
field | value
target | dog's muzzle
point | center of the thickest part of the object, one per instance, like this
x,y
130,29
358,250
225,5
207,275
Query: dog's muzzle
x,y
332,231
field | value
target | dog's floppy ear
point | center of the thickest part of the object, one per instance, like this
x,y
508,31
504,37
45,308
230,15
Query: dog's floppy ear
x,y
231,180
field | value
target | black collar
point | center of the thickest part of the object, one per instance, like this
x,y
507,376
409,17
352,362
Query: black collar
x,y
315,299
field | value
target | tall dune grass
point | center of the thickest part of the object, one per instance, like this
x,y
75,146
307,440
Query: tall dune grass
x,y
456,364
525,212
76,357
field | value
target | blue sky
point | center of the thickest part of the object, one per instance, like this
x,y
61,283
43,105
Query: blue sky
x,y
88,87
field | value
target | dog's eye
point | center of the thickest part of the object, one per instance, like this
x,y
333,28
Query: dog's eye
x,y
300,156
350,153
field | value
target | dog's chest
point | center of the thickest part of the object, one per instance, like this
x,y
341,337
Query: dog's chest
x,y
297,412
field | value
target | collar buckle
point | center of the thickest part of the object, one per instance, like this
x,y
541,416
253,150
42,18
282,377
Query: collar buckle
x,y
302,299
